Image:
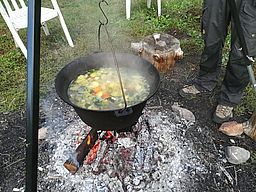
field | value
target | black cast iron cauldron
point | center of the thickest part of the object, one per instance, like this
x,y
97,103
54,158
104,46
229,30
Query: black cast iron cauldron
x,y
107,119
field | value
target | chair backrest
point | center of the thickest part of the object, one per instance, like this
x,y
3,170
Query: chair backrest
x,y
12,5
8,9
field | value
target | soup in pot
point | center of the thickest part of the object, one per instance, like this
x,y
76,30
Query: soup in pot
x,y
99,89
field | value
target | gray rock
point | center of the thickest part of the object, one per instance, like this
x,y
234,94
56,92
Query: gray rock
x,y
237,155
183,113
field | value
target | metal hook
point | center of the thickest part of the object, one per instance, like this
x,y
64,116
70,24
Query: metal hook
x,y
103,1
101,23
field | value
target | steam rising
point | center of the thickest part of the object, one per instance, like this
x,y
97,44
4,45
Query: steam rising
x,y
117,25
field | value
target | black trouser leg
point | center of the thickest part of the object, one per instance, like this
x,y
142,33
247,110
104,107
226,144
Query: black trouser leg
x,y
216,18
210,65
235,80
236,76
215,22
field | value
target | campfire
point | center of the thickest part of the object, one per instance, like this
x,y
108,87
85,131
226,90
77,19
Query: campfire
x,y
102,122
87,150
154,155
117,117
122,146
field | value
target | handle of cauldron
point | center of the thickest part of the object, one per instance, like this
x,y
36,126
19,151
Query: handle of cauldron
x,y
112,50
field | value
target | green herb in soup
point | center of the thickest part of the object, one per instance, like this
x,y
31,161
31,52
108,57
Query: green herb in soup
x,y
99,89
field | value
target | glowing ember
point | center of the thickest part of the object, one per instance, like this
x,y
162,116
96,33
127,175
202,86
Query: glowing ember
x,y
108,137
93,153
109,134
88,140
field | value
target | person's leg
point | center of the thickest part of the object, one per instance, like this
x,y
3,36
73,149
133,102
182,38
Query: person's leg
x,y
215,21
237,77
235,80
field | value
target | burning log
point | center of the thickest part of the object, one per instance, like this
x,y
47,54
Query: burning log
x,y
76,160
93,153
88,148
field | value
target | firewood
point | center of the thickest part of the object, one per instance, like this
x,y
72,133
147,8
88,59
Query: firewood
x,y
76,160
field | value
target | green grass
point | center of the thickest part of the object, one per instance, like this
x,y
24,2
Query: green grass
x,y
253,157
82,18
180,15
12,72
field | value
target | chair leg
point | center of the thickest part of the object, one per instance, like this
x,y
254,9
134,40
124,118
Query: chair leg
x,y
62,22
19,43
128,8
159,8
148,3
13,31
16,44
66,32
45,28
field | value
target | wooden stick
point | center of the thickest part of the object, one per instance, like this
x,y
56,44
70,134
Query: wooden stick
x,y
76,160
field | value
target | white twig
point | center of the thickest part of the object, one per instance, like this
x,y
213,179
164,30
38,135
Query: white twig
x,y
14,162
213,143
160,102
215,183
4,154
54,177
226,173
235,175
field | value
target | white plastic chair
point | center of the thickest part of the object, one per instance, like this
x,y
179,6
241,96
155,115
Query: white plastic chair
x,y
15,13
128,7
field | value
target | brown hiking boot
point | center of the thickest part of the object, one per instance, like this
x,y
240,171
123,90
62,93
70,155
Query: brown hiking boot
x,y
189,91
222,113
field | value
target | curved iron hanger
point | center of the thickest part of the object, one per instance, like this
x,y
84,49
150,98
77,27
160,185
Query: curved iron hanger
x,y
102,23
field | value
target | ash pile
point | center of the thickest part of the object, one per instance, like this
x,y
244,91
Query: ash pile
x,y
155,156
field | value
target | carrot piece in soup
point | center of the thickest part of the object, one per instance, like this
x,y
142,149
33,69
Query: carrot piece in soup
x,y
105,95
96,90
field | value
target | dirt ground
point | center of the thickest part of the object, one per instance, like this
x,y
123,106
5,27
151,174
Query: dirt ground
x,y
209,141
